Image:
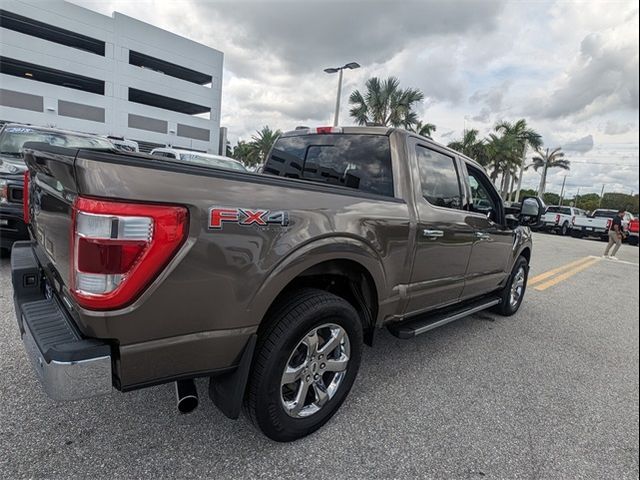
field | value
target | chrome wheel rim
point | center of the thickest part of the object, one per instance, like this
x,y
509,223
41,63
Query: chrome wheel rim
x,y
517,287
315,370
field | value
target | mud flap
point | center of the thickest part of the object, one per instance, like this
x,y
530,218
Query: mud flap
x,y
227,391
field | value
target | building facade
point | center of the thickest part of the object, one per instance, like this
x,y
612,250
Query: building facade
x,y
66,66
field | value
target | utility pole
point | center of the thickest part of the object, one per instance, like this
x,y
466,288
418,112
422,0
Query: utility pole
x,y
601,195
577,197
564,181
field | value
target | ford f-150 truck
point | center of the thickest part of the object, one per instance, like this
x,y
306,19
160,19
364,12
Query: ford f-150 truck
x,y
598,224
140,273
561,219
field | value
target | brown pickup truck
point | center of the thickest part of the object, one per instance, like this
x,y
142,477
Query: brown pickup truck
x,y
143,270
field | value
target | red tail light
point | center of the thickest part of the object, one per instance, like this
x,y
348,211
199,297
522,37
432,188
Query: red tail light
x,y
25,198
118,249
324,130
609,222
557,219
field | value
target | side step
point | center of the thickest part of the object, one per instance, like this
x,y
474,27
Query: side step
x,y
424,323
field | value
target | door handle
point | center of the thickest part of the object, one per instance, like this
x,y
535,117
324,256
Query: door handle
x,y
432,234
482,236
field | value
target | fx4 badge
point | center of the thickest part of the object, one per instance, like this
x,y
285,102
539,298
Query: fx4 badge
x,y
246,217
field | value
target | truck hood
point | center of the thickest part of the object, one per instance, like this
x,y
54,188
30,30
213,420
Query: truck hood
x,y
11,165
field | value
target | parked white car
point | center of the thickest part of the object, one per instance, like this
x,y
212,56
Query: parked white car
x,y
561,219
207,159
598,224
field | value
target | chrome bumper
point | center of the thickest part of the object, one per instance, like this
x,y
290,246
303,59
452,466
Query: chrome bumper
x,y
69,365
69,380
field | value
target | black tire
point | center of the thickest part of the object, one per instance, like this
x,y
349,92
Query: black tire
x,y
286,327
633,241
564,230
576,234
5,252
506,308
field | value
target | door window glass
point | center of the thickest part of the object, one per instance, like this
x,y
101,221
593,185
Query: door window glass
x,y
439,178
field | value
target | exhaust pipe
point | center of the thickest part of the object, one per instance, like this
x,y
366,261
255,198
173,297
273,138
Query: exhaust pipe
x,y
186,396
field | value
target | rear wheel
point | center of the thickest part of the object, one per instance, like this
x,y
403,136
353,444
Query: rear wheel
x,y
564,230
5,252
306,362
513,293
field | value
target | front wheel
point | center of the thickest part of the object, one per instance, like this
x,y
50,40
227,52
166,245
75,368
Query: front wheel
x,y
305,364
512,294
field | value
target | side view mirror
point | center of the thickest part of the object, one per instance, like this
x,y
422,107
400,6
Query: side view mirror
x,y
531,211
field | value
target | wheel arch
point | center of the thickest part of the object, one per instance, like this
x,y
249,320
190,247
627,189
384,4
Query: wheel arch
x,y
345,267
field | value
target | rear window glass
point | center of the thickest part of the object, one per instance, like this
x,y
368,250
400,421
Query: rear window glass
x,y
604,213
361,162
562,210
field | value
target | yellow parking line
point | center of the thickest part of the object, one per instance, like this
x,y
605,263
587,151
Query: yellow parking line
x,y
566,275
551,273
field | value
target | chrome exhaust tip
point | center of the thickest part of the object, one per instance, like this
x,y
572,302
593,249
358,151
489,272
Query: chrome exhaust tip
x,y
186,396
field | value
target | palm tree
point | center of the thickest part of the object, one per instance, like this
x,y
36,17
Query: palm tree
x,y
424,129
262,142
245,153
502,153
471,146
546,160
385,103
525,137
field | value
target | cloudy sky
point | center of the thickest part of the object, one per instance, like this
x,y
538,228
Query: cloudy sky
x,y
569,68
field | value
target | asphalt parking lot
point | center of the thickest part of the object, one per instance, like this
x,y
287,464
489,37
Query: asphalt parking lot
x,y
549,393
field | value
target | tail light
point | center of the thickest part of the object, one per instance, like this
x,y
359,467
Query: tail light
x,y
324,130
118,249
609,222
557,219
573,220
25,198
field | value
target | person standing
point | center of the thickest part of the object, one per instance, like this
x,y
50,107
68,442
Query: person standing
x,y
615,235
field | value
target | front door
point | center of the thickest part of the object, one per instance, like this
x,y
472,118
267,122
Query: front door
x,y
493,243
444,239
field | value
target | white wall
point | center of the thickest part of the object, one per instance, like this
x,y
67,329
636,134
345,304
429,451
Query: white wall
x,y
121,34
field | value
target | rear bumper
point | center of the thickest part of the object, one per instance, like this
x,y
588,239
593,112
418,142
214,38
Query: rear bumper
x,y
68,365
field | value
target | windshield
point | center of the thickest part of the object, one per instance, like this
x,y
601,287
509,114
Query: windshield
x,y
211,161
12,140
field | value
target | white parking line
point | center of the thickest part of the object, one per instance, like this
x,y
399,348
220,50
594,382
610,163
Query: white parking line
x,y
616,262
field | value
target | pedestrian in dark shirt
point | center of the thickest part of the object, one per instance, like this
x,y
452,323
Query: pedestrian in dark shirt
x,y
615,235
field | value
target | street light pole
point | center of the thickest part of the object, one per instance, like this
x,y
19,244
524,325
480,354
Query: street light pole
x,y
340,70
336,116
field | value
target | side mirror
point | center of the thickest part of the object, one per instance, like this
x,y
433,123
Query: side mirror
x,y
531,211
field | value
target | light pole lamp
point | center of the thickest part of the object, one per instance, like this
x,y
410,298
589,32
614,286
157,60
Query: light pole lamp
x,y
350,66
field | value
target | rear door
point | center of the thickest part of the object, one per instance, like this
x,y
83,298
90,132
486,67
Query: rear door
x,y
493,241
444,238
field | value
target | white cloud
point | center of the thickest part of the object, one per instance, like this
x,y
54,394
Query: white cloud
x,y
569,68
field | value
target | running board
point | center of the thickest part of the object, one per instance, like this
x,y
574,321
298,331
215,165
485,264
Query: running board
x,y
424,323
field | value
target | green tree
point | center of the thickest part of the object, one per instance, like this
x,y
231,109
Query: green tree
x,y
245,153
525,137
385,103
551,198
471,146
262,141
424,129
502,152
546,160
